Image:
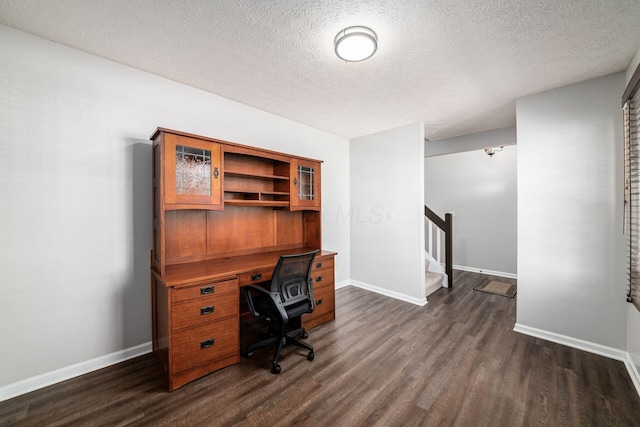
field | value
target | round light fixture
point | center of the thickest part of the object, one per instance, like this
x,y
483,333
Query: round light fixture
x,y
355,44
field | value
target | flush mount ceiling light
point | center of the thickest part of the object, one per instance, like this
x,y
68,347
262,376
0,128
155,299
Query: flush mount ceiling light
x,y
354,44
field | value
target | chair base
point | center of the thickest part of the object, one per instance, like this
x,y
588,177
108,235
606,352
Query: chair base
x,y
282,341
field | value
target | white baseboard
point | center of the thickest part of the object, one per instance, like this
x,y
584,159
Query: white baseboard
x,y
63,374
343,284
388,293
602,350
485,271
633,372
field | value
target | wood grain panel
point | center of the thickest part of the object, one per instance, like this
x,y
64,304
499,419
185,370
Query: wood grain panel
x,y
185,233
324,297
250,164
206,309
288,228
322,262
322,276
255,276
233,183
224,268
239,229
312,229
203,289
188,345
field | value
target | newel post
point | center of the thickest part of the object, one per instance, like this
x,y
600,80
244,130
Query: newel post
x,y
448,235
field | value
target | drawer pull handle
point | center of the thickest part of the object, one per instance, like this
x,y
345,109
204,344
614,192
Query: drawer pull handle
x,y
319,279
207,290
319,265
256,276
206,344
206,310
319,301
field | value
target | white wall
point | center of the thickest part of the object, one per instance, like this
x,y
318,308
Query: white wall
x,y
633,315
570,244
75,178
482,191
387,176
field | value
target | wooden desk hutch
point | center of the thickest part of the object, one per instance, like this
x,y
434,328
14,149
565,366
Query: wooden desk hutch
x,y
223,213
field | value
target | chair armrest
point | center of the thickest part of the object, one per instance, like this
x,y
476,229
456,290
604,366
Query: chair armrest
x,y
247,292
273,297
311,297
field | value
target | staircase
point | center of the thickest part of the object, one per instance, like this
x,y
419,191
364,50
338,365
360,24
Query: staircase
x,y
438,272
435,278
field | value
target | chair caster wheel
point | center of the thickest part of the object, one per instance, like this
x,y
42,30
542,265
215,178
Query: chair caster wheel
x,y
276,369
249,353
311,356
305,335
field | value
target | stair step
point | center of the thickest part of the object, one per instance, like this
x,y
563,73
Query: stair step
x,y
432,278
432,282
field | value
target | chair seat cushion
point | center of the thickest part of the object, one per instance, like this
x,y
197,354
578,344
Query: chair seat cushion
x,y
298,309
265,307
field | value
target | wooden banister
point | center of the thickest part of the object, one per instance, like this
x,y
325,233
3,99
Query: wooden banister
x,y
435,218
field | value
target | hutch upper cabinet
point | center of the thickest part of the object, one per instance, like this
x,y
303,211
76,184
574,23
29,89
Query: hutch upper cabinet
x,y
217,199
192,172
305,184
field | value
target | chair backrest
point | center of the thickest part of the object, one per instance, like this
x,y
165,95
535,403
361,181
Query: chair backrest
x,y
291,277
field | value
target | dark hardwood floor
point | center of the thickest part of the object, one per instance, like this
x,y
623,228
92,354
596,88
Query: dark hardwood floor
x,y
383,362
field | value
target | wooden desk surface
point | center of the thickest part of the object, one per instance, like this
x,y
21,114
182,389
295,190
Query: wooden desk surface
x,y
217,269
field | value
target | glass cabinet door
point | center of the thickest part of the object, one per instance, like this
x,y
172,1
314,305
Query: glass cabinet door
x,y
305,185
192,171
306,188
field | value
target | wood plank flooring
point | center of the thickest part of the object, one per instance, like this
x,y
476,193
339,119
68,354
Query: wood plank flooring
x,y
383,362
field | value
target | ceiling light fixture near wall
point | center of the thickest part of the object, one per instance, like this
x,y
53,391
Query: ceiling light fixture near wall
x,y
493,150
354,44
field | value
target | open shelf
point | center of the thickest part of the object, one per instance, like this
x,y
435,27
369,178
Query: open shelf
x,y
255,176
274,193
251,180
262,198
266,203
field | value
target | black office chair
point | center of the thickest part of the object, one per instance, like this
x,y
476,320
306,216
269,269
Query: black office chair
x,y
289,296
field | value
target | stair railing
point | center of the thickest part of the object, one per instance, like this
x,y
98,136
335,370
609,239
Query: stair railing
x,y
441,227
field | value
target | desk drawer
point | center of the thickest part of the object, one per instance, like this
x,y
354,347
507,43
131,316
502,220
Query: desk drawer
x,y
319,263
322,277
203,290
204,309
253,277
325,300
197,346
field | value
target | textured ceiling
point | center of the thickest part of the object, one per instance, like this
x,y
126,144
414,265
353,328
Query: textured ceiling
x,y
458,65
